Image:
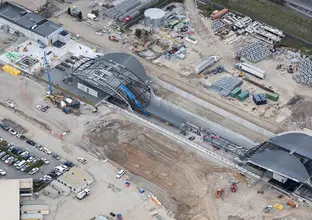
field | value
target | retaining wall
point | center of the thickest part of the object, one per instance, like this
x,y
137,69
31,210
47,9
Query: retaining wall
x,y
203,123
213,108
189,143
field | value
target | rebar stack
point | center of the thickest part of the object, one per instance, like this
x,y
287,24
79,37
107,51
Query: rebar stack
x,y
255,52
305,75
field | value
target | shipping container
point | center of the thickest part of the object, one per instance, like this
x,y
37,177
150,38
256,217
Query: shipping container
x,y
219,14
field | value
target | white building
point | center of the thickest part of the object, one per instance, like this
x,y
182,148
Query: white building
x,y
75,179
32,25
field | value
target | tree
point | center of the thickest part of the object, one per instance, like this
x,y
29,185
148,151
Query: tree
x,y
69,11
80,16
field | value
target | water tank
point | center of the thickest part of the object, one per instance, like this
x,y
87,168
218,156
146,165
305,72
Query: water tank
x,y
154,17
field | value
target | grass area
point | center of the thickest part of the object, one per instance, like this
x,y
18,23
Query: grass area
x,y
280,16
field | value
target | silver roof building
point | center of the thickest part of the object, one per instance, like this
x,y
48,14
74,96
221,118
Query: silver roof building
x,y
124,80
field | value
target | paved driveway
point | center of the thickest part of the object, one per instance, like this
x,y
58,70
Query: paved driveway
x,y
12,172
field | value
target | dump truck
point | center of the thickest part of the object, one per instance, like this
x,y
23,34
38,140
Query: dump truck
x,y
219,193
84,193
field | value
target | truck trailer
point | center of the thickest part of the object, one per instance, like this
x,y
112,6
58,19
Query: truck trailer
x,y
209,61
255,71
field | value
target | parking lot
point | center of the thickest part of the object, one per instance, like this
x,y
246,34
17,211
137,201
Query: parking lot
x,y
12,172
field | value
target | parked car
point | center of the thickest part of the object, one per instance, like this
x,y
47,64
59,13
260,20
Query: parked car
x,y
2,172
35,160
19,151
42,107
120,174
39,147
33,171
69,164
49,52
2,154
45,160
66,168
9,159
20,136
17,162
55,156
59,68
47,151
12,131
1,139
4,126
10,103
5,157
12,161
24,153
26,156
191,138
53,174
65,64
46,178
32,143
69,61
82,160
30,159
74,58
11,147
25,168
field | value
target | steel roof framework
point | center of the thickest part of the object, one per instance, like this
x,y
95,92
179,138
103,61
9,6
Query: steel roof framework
x,y
107,76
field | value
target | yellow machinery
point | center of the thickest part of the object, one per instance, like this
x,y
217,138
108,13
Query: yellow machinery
x,y
11,70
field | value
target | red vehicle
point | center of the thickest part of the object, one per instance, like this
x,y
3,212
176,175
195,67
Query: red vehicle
x,y
113,38
234,187
128,18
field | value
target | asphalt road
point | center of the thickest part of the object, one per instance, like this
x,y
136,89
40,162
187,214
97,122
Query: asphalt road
x,y
12,172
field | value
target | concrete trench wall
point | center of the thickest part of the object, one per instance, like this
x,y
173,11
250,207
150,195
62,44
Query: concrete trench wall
x,y
216,156
213,108
203,123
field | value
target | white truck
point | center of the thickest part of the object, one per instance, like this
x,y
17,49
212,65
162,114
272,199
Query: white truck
x,y
255,71
83,194
92,17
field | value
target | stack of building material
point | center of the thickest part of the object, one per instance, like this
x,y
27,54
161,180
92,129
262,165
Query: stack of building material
x,y
225,85
305,75
255,52
217,25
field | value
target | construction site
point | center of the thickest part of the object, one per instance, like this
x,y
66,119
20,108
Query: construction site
x,y
209,115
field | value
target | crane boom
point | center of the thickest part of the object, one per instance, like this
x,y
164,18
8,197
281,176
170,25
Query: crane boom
x,y
47,70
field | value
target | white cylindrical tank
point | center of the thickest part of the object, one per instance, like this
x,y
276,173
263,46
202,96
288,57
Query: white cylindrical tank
x,y
154,17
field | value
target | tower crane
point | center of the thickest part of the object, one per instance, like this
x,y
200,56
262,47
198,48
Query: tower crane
x,y
47,70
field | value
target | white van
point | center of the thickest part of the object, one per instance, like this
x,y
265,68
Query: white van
x,y
21,164
59,169
92,17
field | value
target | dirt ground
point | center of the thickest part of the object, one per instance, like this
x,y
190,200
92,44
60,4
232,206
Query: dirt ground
x,y
184,181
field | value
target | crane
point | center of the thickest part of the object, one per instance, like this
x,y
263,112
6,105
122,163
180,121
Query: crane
x,y
47,70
